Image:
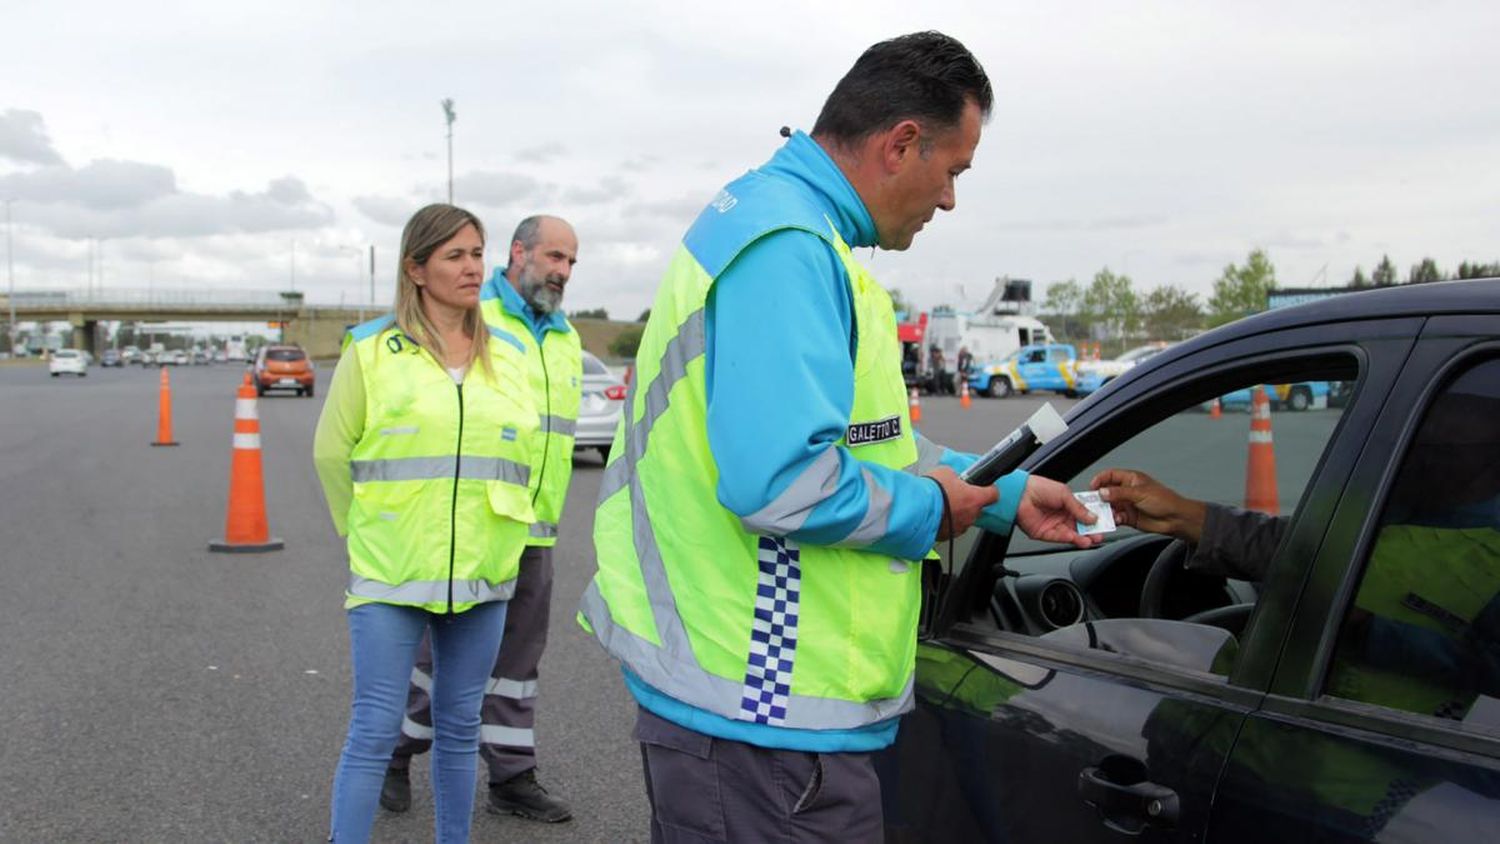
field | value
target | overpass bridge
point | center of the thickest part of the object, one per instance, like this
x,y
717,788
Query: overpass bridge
x,y
317,327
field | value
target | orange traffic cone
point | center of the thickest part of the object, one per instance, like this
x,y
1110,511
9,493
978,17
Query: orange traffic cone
x,y
164,411
629,373
915,404
1260,471
963,395
245,527
1216,411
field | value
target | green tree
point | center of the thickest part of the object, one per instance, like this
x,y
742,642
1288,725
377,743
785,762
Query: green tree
x,y
1478,270
1424,272
899,303
626,343
1242,291
1359,280
1110,301
1064,302
645,315
1171,313
596,313
1385,272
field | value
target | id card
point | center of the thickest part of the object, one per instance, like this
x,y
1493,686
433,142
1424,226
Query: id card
x,y
1104,516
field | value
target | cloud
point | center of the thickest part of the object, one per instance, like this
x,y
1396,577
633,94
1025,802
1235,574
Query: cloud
x,y
608,189
542,153
390,210
105,184
498,189
1083,225
23,137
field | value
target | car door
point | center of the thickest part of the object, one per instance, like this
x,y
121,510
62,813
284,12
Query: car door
x,y
1383,721
1049,706
1032,367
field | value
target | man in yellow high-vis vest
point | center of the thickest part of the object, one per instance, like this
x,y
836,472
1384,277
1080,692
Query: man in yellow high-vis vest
x,y
520,302
767,503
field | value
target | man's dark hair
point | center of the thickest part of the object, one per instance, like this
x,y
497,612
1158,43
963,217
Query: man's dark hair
x,y
925,76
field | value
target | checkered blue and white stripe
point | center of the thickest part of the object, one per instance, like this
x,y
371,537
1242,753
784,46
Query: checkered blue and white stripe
x,y
773,634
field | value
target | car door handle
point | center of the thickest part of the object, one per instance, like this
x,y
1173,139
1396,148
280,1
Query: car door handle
x,y
1127,807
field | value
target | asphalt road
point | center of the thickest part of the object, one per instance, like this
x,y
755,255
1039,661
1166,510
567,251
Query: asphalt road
x,y
154,691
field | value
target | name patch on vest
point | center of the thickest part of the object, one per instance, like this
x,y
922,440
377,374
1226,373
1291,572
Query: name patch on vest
x,y
864,433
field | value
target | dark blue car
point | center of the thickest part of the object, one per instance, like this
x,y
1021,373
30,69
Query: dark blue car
x,y
1348,689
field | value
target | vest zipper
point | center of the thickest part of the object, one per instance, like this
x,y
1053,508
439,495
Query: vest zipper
x,y
458,454
541,476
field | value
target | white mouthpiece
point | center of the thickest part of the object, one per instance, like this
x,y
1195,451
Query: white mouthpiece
x,y
1046,424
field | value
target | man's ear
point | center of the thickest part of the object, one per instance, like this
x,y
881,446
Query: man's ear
x,y
517,252
901,143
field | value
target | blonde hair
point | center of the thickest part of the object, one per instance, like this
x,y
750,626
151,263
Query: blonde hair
x,y
428,229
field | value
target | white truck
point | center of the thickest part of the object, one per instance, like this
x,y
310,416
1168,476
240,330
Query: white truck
x,y
234,348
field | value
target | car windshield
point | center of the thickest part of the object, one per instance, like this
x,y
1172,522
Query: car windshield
x,y
1139,354
285,354
65,353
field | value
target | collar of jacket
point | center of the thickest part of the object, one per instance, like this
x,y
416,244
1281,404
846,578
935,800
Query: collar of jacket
x,y
499,287
801,159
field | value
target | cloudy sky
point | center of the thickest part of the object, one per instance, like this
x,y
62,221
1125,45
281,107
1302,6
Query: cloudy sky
x,y
193,145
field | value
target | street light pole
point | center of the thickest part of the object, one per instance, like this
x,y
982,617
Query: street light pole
x,y
449,114
372,275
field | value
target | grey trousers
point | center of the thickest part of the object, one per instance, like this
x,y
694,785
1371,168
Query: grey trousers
x,y
507,739
704,789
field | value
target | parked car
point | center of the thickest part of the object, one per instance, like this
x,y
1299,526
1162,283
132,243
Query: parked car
x,y
220,356
283,367
202,357
176,357
599,409
1093,374
1350,693
111,357
1304,395
68,362
1041,366
131,354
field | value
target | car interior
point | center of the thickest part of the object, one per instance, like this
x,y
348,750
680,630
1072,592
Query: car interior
x,y
1132,594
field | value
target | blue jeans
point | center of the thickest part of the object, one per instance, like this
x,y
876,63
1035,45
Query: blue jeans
x,y
383,639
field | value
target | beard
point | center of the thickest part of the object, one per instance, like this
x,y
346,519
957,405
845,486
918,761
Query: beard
x,y
541,298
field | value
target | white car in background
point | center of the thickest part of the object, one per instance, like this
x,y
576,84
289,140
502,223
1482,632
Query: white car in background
x,y
1093,374
599,410
68,361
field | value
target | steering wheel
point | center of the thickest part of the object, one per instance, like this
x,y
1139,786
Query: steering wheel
x,y
1232,618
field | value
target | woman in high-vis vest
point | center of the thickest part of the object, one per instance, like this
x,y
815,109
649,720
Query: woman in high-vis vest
x,y
423,449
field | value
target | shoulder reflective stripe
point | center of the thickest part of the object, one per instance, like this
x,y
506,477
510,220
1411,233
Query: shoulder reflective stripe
x,y
433,468
247,440
678,674
877,517
404,429
559,425
502,334
430,591
420,679
414,730
542,530
687,345
929,456
506,736
513,689
791,508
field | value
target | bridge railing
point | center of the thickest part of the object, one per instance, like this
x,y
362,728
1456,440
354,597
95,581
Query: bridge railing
x,y
151,297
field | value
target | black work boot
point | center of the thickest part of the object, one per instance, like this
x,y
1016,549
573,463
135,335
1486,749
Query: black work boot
x,y
523,795
395,792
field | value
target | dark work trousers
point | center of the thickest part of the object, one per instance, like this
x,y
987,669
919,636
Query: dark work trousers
x,y
507,740
705,789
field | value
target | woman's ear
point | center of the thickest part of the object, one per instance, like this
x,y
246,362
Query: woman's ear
x,y
416,271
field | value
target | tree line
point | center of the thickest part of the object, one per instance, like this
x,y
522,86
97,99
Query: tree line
x,y
1110,307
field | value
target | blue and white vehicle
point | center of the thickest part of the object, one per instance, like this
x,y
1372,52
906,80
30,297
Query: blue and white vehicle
x,y
1044,366
1303,395
1093,374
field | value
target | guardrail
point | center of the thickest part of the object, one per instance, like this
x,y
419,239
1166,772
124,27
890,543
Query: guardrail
x,y
146,298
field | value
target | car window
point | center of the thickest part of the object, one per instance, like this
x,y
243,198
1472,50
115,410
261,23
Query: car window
x,y
593,366
1057,354
1423,634
1037,356
285,354
1249,465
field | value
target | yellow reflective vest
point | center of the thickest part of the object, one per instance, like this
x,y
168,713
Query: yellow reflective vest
x,y
754,628
555,373
441,506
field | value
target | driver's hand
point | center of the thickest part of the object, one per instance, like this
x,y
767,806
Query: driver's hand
x,y
1049,512
1144,503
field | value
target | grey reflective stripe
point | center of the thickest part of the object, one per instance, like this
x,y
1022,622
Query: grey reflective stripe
x,y
415,730
507,736
929,456
421,592
678,674
789,510
436,468
513,689
559,425
877,519
542,530
671,667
